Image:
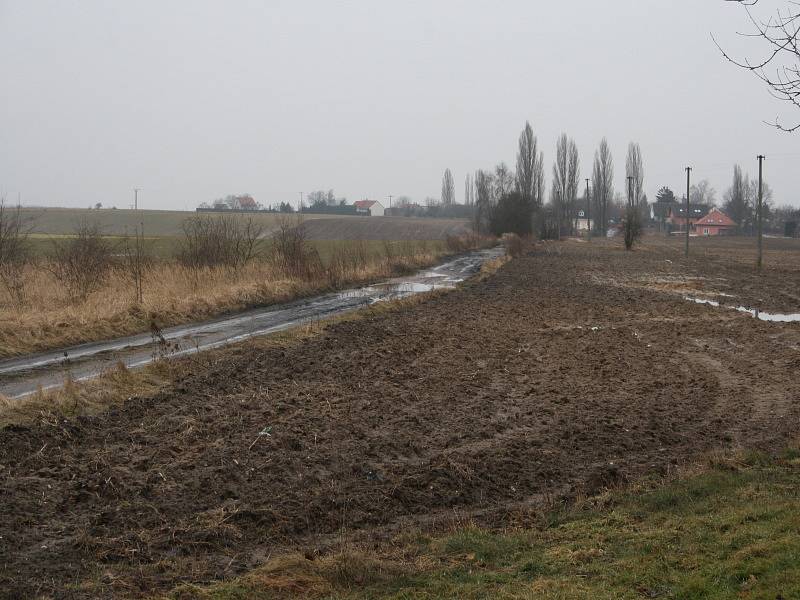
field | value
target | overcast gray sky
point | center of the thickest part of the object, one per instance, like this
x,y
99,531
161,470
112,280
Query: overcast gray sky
x,y
192,100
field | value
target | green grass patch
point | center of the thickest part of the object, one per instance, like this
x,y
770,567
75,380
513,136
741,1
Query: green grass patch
x,y
730,532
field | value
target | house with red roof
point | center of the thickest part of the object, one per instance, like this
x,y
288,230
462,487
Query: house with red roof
x,y
372,208
715,222
676,215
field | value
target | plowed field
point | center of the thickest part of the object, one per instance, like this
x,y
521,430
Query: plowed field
x,y
573,368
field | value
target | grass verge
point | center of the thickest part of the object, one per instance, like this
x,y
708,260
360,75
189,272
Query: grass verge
x,y
729,530
173,295
112,388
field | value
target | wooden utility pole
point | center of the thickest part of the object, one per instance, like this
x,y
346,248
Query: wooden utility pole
x,y
588,214
688,188
760,207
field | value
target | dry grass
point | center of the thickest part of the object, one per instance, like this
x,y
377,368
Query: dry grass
x,y
115,386
294,576
173,295
86,398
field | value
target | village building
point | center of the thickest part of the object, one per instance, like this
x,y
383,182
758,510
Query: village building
x,y
715,222
373,208
677,215
583,222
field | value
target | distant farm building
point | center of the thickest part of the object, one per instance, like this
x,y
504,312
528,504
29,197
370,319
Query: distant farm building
x,y
677,215
372,208
715,222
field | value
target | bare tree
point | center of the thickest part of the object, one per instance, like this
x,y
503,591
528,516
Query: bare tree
x,y
779,64
503,181
137,260
484,184
566,175
634,167
538,181
530,168
632,226
14,251
737,199
703,193
292,252
448,189
637,200
766,200
602,186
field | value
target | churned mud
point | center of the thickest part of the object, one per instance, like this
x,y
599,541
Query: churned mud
x,y
560,374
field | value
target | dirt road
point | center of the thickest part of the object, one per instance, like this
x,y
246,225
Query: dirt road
x,y
569,369
24,375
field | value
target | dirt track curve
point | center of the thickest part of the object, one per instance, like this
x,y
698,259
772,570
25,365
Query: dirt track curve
x,y
551,377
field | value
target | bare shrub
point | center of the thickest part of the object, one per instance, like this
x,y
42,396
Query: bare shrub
x,y
456,243
136,262
14,252
292,253
514,244
632,227
463,243
83,262
220,241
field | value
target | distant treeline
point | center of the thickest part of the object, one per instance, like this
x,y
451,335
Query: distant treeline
x,y
282,208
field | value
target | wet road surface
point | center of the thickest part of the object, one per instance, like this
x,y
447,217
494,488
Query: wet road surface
x,y
24,375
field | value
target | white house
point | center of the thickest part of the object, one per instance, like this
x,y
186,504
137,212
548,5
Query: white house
x,y
372,208
582,223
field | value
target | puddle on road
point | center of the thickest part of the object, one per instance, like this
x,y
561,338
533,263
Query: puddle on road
x,y
383,292
392,290
753,312
22,375
412,288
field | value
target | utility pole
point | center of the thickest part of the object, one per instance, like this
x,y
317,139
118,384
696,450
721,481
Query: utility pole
x,y
136,198
588,217
688,188
760,207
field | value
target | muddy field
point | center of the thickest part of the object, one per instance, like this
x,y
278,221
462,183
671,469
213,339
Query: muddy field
x,y
383,228
573,368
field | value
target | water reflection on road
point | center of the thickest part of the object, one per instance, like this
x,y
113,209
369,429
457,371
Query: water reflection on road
x,y
23,375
